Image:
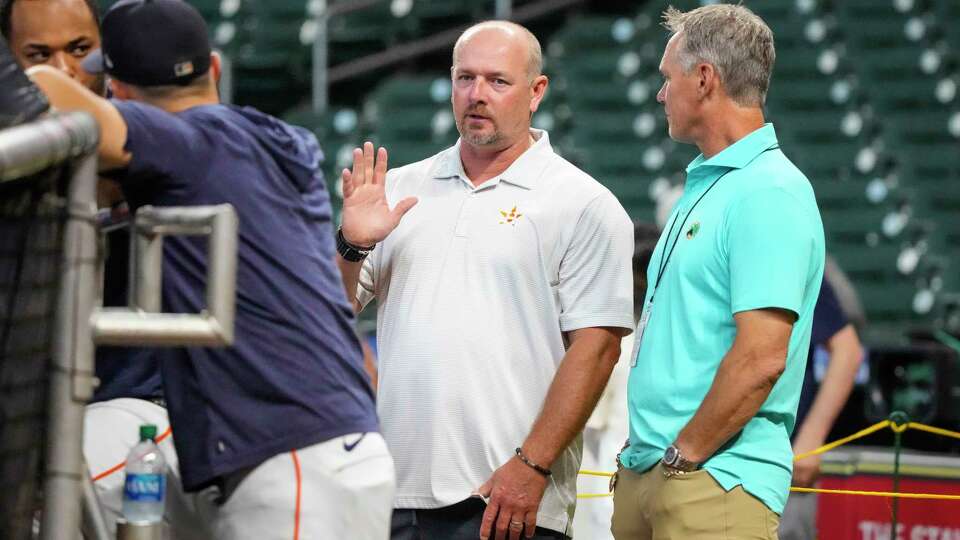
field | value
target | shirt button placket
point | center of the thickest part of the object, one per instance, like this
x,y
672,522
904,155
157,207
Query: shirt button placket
x,y
463,218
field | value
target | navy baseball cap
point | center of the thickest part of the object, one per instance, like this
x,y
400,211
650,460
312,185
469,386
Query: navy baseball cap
x,y
152,43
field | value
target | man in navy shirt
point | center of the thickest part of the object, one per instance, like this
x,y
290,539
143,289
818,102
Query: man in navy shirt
x,y
819,406
278,431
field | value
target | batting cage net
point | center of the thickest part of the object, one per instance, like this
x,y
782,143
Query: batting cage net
x,y
47,182
32,217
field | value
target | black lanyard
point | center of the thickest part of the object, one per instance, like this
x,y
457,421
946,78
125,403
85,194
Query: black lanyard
x,y
666,259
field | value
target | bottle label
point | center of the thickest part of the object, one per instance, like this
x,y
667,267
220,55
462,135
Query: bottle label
x,y
144,487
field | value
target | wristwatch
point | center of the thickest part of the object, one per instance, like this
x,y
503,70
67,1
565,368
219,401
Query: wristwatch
x,y
675,462
350,252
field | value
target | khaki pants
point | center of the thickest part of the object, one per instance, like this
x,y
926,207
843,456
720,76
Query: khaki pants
x,y
692,506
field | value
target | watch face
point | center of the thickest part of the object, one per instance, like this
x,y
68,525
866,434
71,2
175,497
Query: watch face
x,y
670,456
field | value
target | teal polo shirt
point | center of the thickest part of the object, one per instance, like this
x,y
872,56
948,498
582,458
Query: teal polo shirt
x,y
754,240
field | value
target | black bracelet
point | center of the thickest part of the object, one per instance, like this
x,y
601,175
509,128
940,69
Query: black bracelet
x,y
526,461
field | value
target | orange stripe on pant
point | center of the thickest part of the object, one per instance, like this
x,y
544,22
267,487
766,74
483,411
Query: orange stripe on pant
x,y
123,463
296,511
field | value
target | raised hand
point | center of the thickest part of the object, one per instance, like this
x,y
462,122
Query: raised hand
x,y
367,218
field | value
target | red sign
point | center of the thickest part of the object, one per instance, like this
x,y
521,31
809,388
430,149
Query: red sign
x,y
857,517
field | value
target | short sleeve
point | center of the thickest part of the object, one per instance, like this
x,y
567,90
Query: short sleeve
x,y
366,285
770,241
596,279
160,143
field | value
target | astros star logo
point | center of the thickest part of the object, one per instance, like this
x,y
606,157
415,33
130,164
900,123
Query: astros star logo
x,y
510,217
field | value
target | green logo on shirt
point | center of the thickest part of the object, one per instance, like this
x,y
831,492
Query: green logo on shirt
x,y
693,230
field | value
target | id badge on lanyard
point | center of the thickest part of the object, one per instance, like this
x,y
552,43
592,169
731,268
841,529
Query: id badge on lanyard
x,y
641,326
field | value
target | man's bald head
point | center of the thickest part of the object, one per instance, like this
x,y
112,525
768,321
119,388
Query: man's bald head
x,y
523,37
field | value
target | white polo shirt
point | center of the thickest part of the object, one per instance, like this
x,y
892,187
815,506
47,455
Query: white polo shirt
x,y
475,290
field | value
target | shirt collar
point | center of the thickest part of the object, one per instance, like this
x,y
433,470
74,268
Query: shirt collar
x,y
523,172
739,154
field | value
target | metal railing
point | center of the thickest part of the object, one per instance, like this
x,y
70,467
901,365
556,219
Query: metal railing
x,y
142,323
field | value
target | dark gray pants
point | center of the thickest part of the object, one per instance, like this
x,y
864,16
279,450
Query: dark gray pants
x,y
460,521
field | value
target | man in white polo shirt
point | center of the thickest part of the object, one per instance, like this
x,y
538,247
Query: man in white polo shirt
x,y
502,298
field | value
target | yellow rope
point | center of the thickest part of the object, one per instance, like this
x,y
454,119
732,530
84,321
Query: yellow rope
x,y
934,496
596,473
877,493
934,430
897,428
827,447
593,495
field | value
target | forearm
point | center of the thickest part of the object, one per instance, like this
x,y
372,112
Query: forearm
x,y
845,357
66,94
350,274
573,394
742,384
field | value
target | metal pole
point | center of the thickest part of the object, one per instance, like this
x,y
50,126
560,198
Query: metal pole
x,y
899,419
147,265
321,97
222,271
31,148
226,78
503,9
71,378
94,524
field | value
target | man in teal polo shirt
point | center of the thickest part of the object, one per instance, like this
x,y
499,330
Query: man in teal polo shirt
x,y
733,282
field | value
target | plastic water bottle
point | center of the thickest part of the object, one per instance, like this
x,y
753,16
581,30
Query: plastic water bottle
x,y
145,485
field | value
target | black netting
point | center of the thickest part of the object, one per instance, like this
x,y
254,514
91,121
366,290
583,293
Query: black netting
x,y
31,227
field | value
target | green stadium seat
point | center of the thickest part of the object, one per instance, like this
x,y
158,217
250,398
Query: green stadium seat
x,y
588,33
823,162
797,64
365,31
210,9
864,263
585,95
890,302
434,16
880,30
892,65
853,227
802,95
917,127
835,195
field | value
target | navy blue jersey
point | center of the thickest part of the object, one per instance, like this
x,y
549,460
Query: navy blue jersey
x,y
294,375
828,319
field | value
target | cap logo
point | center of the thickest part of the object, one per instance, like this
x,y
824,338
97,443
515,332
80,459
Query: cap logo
x,y
183,68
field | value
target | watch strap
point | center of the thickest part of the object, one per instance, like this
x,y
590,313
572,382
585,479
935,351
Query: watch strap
x,y
680,463
351,252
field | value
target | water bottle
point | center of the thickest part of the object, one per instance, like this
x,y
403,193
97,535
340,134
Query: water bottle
x,y
146,476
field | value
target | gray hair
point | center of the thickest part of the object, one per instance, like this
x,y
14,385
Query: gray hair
x,y
534,51
731,38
